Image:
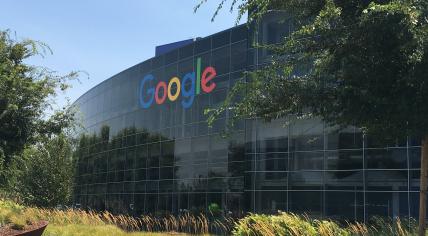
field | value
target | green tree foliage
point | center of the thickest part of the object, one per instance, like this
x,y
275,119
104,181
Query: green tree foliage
x,y
26,95
357,63
43,175
365,64
35,155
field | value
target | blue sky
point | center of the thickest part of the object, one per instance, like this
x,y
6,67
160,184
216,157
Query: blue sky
x,y
104,37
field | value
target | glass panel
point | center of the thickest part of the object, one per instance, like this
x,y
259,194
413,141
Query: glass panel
x,y
167,158
157,62
154,154
387,158
198,203
239,33
349,138
344,180
140,174
139,203
307,135
306,202
344,204
344,159
271,201
383,178
202,45
130,158
221,39
171,57
307,161
238,56
380,204
415,157
221,60
151,202
141,156
307,179
186,51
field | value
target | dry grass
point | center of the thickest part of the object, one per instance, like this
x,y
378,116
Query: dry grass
x,y
295,225
78,222
84,230
73,219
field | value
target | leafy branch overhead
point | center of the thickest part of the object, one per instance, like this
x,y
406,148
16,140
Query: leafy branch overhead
x,y
256,9
361,63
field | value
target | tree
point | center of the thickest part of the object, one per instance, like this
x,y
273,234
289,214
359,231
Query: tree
x,y
26,95
43,175
35,154
365,65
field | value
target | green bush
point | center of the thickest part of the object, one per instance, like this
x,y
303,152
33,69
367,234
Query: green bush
x,y
215,209
282,224
45,174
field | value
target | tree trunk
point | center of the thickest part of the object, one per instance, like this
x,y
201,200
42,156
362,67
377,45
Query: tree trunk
x,y
423,186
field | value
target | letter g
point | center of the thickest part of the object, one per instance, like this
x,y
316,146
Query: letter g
x,y
149,92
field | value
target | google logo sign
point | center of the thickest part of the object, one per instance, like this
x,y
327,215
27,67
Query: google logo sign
x,y
191,85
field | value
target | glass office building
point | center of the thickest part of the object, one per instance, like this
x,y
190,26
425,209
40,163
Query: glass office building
x,y
147,148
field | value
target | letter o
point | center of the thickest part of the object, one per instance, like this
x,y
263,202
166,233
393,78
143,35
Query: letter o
x,y
157,98
176,81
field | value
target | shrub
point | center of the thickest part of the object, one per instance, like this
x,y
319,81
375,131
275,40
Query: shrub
x,y
282,224
47,179
330,228
293,225
214,209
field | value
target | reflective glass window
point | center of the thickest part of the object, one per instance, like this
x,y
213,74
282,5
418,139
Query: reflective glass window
x,y
221,39
202,45
238,56
239,33
186,51
221,60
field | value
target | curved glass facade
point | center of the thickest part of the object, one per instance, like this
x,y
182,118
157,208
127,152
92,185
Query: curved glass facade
x,y
164,158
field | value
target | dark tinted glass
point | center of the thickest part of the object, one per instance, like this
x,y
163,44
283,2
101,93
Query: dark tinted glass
x,y
146,66
158,62
171,57
221,60
202,45
390,158
186,51
185,67
238,56
239,33
344,159
221,39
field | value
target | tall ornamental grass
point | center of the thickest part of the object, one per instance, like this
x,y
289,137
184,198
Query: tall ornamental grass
x,y
287,224
78,222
